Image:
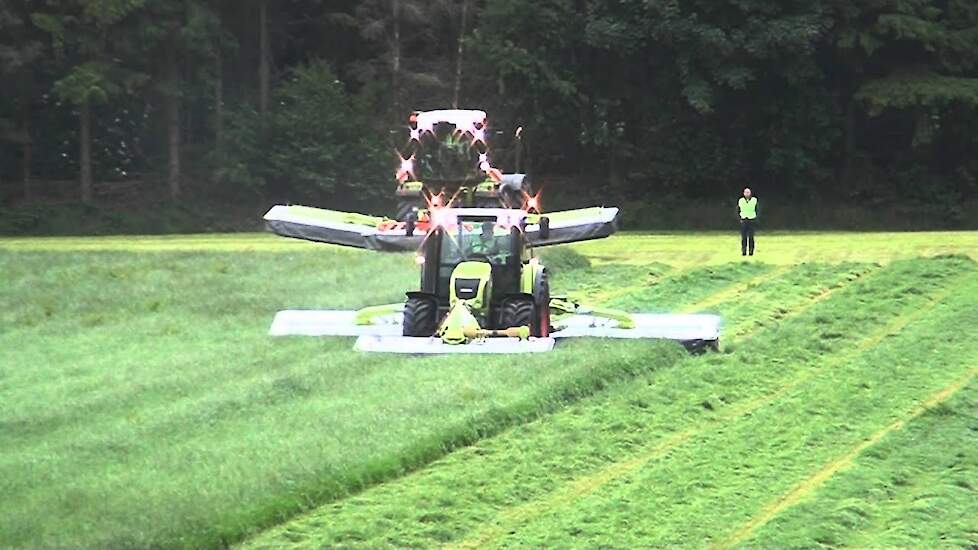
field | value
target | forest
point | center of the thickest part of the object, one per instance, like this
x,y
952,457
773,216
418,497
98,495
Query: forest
x,y
838,113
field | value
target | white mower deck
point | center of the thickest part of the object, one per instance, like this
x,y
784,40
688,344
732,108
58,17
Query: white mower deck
x,y
384,335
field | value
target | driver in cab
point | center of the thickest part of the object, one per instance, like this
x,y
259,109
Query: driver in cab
x,y
485,244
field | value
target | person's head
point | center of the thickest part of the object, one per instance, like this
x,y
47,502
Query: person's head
x,y
487,229
747,192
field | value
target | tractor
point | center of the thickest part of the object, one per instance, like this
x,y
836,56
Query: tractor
x,y
447,161
479,279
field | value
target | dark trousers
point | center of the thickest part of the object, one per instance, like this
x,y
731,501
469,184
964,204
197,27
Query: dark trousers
x,y
747,236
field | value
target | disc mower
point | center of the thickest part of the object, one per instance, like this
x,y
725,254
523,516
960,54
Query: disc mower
x,y
482,289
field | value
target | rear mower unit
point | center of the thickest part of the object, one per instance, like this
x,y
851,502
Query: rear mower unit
x,y
447,160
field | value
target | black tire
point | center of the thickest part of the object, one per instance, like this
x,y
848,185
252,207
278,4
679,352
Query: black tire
x,y
405,210
420,317
519,312
542,296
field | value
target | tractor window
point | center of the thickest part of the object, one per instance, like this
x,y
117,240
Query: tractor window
x,y
445,155
485,240
475,240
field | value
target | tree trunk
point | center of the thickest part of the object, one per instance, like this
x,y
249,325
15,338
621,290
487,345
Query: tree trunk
x,y
26,161
849,143
264,55
460,56
85,152
219,105
172,99
396,57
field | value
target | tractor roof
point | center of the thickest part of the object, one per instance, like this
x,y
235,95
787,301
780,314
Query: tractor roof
x,y
502,216
461,118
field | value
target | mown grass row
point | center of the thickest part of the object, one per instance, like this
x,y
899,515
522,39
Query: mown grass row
x,y
142,403
736,478
501,482
916,488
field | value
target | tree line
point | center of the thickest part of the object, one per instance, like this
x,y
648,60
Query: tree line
x,y
865,101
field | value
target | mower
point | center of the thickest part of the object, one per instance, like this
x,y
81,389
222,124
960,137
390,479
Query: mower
x,y
482,289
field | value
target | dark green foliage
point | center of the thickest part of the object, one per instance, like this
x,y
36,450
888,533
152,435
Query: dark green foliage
x,y
662,104
315,138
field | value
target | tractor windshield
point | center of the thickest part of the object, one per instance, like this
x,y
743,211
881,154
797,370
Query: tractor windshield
x,y
476,241
447,155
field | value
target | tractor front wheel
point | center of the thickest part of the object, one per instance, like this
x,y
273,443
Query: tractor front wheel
x,y
420,317
520,312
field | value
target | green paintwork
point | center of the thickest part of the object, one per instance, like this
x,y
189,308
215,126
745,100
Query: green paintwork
x,y
334,216
458,325
487,186
529,276
563,305
473,270
367,315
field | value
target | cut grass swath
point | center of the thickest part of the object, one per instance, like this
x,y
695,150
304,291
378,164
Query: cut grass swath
x,y
718,477
915,488
537,460
831,468
140,393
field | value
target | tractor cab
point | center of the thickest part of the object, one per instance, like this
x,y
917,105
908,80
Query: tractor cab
x,y
480,258
447,159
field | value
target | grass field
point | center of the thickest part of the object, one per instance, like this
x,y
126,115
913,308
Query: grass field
x,y
142,404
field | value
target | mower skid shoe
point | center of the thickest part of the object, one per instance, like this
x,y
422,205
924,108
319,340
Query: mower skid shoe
x,y
433,345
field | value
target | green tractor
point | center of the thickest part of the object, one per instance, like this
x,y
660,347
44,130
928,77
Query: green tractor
x,y
446,162
479,279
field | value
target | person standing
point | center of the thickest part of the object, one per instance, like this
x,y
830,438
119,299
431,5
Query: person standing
x,y
747,210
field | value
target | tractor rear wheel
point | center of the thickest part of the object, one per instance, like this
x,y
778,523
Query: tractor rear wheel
x,y
420,317
520,312
405,210
542,296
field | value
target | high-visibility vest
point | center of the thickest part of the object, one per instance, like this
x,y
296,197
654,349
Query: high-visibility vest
x,y
748,208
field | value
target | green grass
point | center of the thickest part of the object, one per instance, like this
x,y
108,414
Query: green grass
x,y
140,393
517,481
916,488
142,404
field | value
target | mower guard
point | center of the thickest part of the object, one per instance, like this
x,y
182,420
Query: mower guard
x,y
434,345
383,334
360,231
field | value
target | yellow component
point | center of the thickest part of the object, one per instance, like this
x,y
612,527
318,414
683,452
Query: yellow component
x,y
523,333
563,305
458,324
748,208
367,315
479,271
461,327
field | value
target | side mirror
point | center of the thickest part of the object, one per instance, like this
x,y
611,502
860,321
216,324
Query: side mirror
x,y
544,227
515,245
